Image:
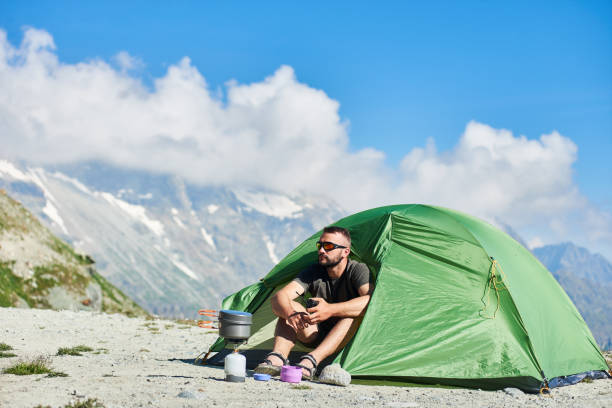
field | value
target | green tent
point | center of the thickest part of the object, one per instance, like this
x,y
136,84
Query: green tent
x,y
456,302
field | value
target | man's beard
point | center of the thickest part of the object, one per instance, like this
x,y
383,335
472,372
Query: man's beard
x,y
330,263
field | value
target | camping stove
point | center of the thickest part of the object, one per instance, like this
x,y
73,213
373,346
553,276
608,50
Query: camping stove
x,y
235,327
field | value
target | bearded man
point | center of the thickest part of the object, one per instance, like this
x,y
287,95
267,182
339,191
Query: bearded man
x,y
341,289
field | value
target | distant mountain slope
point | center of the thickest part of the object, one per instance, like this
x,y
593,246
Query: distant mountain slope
x,y
172,246
579,260
587,279
39,270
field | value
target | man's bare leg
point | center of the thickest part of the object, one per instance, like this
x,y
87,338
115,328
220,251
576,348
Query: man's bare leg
x,y
285,336
336,339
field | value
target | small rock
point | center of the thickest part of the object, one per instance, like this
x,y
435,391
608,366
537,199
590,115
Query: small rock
x,y
192,395
334,374
513,392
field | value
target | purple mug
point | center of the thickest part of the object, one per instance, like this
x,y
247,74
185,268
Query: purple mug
x,y
291,374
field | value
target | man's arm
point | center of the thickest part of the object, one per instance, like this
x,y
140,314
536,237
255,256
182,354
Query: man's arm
x,y
282,301
351,308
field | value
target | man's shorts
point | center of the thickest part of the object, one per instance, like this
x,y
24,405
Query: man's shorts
x,y
323,330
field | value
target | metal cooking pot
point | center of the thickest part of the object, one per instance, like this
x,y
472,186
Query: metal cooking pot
x,y
235,325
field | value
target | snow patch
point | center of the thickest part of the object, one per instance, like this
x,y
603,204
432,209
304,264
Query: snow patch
x,y
37,176
137,212
76,183
185,269
176,219
274,205
208,238
212,208
178,222
10,170
51,212
270,246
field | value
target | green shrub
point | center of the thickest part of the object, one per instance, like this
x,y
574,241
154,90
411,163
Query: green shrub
x,y
36,366
66,250
56,274
89,403
73,351
6,355
11,286
5,347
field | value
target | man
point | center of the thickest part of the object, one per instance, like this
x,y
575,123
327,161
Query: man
x,y
341,287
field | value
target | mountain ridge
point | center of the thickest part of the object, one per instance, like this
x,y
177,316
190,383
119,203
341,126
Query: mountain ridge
x,y
173,246
592,266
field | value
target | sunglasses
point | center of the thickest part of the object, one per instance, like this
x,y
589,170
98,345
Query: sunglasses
x,y
328,246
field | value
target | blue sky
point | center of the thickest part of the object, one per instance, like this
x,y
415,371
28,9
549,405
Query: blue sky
x,y
402,72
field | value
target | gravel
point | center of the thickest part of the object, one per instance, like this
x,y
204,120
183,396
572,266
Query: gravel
x,y
134,365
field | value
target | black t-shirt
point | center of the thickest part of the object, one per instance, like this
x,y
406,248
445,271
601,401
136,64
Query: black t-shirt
x,y
317,282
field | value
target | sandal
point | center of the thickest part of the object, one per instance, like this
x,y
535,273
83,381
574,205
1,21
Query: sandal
x,y
311,370
266,367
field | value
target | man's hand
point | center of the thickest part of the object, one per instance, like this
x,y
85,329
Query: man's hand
x,y
297,320
320,312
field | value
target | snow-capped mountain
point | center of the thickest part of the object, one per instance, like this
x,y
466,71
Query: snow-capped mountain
x,y
172,246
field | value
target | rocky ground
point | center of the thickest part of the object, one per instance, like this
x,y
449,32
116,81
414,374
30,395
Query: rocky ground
x,y
149,363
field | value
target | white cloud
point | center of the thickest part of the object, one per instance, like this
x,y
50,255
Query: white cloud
x,y
491,172
279,133
126,62
535,242
268,131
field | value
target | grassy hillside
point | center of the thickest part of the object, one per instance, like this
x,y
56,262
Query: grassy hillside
x,y
38,270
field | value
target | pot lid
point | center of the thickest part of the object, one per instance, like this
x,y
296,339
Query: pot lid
x,y
235,316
